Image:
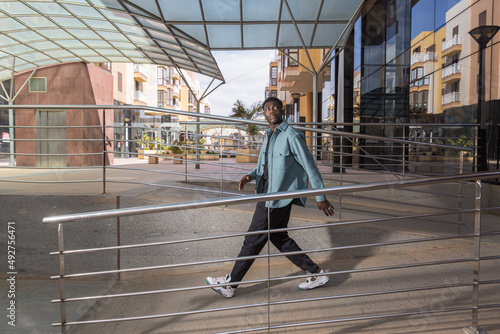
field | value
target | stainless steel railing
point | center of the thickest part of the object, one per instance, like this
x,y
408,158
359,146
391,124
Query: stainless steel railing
x,y
336,156
475,259
342,155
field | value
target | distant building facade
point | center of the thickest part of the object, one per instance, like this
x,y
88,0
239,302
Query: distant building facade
x,y
98,84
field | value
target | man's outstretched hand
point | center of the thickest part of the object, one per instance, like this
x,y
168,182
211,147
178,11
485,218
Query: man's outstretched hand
x,y
244,180
326,207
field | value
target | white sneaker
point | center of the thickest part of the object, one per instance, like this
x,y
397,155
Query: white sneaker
x,y
226,291
314,281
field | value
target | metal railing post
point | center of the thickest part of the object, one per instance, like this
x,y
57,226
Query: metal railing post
x,y
104,151
12,162
221,162
404,152
185,154
476,150
341,151
62,284
118,238
474,328
268,266
460,193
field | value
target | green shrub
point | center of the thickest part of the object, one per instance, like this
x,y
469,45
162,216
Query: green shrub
x,y
174,149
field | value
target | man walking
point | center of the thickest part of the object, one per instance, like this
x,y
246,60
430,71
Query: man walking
x,y
285,164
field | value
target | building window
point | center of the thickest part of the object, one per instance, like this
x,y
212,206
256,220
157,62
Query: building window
x,y
191,97
455,31
169,97
138,86
425,100
482,18
106,66
161,99
274,76
164,75
38,85
293,56
417,73
120,82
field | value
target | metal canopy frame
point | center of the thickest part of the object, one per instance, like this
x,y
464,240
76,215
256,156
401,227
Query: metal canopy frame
x,y
180,34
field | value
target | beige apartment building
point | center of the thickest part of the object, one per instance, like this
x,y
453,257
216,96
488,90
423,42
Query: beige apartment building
x,y
445,63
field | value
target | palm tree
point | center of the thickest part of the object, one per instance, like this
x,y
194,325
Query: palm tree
x,y
239,110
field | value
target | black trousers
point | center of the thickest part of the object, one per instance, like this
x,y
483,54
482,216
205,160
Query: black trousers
x,y
253,244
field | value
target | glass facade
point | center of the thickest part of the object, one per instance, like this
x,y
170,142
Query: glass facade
x,y
416,63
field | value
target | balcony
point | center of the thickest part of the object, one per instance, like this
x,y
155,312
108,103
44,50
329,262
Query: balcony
x,y
140,73
451,73
450,100
176,90
430,56
417,57
452,46
292,73
139,98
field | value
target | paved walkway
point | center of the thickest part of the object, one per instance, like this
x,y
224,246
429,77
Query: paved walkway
x,y
24,204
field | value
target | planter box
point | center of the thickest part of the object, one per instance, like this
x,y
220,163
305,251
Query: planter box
x,y
246,158
206,157
171,156
178,156
142,153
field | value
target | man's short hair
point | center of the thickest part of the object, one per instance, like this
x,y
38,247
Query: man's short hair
x,y
272,99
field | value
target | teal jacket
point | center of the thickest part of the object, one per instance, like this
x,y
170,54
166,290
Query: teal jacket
x,y
290,164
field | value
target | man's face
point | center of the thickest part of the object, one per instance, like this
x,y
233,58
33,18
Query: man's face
x,y
273,113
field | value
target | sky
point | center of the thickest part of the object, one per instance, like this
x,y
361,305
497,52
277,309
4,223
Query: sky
x,y
246,74
427,17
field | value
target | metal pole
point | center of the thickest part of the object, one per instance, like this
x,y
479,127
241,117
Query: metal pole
x,y
104,151
221,161
198,137
185,154
118,240
341,174
297,116
268,266
11,117
460,193
481,114
404,152
474,328
62,284
315,114
476,149
11,135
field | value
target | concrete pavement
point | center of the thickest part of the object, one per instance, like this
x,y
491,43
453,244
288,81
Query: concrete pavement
x,y
27,204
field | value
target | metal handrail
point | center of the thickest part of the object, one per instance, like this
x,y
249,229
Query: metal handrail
x,y
232,119
474,307
267,197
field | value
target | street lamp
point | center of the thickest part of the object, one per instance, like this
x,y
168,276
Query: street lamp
x,y
482,35
295,97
